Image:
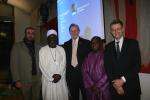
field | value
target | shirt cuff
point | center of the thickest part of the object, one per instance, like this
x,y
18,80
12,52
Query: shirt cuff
x,y
123,78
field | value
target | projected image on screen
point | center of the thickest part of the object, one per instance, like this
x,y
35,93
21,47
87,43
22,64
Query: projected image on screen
x,y
88,14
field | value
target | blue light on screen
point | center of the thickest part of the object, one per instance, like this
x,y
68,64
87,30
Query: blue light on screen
x,y
88,14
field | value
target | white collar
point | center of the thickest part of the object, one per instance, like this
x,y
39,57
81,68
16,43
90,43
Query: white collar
x,y
75,41
120,40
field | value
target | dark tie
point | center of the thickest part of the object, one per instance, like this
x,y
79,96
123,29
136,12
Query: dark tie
x,y
117,49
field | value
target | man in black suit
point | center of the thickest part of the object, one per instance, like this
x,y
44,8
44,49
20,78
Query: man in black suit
x,y
76,50
122,61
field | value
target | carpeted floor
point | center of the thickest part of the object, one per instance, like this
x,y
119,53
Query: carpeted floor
x,y
9,93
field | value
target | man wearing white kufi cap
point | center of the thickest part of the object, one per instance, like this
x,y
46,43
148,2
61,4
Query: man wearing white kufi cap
x,y
52,62
52,31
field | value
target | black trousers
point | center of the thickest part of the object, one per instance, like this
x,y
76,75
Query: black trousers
x,y
127,97
75,83
74,91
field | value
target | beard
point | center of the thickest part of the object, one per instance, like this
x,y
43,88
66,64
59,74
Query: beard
x,y
52,44
28,41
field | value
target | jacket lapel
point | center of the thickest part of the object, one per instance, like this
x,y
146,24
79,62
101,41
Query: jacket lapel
x,y
70,48
114,50
24,47
124,47
80,42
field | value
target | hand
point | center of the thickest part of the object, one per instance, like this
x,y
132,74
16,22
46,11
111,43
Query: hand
x,y
95,89
120,90
118,83
18,85
56,77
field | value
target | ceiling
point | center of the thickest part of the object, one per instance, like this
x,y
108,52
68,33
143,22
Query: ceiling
x,y
25,5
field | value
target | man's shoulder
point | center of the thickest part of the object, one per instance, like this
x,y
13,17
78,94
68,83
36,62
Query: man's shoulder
x,y
109,44
130,41
18,44
60,47
38,44
82,39
67,42
44,48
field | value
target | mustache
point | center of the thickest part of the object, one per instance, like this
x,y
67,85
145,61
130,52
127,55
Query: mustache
x,y
52,42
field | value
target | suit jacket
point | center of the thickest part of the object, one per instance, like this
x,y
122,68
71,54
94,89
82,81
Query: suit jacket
x,y
127,65
82,51
21,62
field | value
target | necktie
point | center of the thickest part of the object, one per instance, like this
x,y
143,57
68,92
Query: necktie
x,y
74,60
117,49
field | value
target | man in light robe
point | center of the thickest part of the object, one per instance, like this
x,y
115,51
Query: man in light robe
x,y
52,63
94,76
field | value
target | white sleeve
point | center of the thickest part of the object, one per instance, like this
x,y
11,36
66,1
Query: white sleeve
x,y
47,75
62,66
123,78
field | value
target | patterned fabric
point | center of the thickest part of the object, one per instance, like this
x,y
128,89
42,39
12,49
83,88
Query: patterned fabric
x,y
94,73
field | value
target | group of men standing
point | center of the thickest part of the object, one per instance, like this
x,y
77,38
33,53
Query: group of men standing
x,y
61,66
